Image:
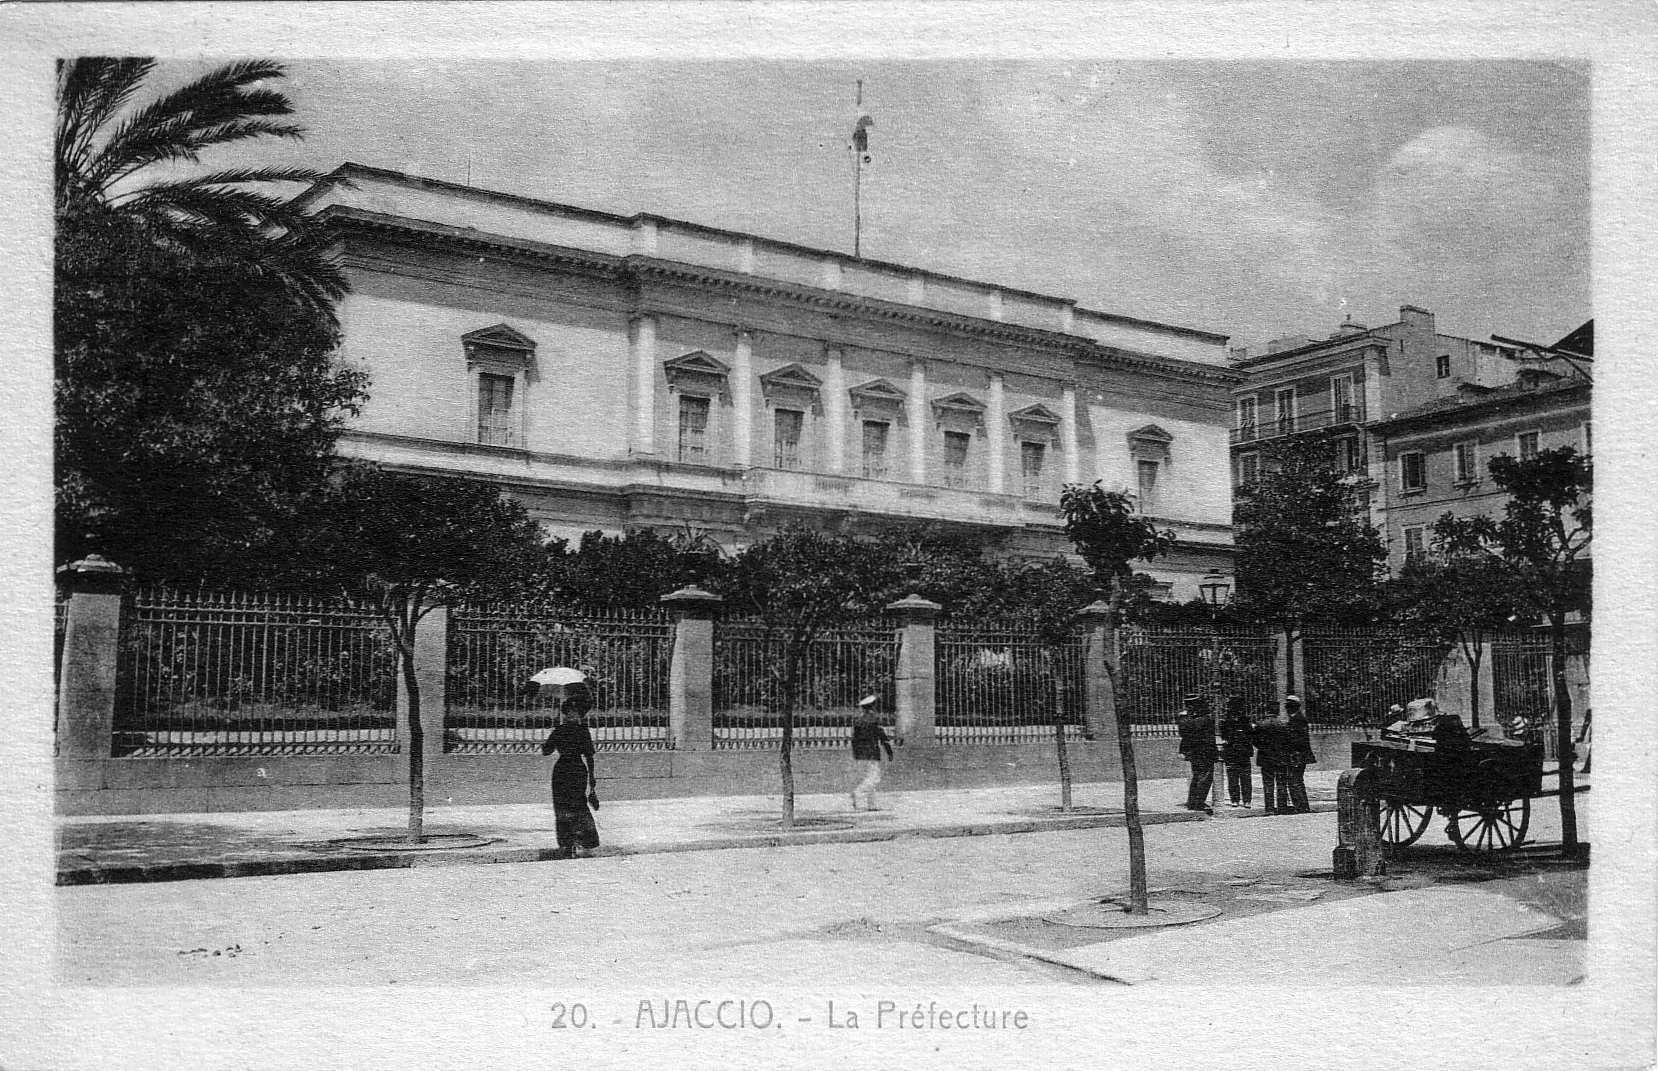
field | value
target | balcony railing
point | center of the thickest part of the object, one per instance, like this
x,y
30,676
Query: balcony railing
x,y
1303,421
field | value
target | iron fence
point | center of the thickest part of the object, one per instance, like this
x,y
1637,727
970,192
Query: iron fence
x,y
839,666
231,673
1523,685
1005,684
1160,667
494,651
1352,677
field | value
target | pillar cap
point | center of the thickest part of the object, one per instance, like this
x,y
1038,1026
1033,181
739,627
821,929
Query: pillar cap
x,y
692,600
93,573
913,605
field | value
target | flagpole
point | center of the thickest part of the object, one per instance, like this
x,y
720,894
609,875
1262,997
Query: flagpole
x,y
857,187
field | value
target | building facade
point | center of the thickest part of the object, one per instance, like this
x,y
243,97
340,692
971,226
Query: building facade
x,y
621,372
1413,413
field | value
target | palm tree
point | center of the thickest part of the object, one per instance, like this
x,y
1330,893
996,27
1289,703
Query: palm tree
x,y
105,149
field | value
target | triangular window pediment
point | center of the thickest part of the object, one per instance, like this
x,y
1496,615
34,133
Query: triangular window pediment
x,y
964,404
1034,414
879,391
1149,435
499,344
790,377
697,362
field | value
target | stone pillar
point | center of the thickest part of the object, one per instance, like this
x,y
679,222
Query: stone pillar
x,y
644,237
1068,433
995,420
916,691
742,397
917,403
642,351
86,675
1098,711
691,673
834,409
431,659
1358,852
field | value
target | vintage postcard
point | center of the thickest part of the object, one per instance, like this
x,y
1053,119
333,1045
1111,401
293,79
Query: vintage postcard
x,y
987,535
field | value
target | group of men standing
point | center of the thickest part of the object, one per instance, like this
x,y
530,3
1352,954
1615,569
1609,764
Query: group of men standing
x,y
1280,743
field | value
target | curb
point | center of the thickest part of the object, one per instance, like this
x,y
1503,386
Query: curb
x,y
191,871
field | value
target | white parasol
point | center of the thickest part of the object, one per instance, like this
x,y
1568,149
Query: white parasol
x,y
559,678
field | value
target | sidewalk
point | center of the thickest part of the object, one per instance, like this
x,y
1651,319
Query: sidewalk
x,y
174,847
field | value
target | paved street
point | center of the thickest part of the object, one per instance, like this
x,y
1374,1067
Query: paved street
x,y
825,914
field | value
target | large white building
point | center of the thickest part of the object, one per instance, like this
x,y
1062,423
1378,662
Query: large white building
x,y
617,372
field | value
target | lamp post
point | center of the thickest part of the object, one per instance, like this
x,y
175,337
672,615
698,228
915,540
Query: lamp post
x,y
1216,589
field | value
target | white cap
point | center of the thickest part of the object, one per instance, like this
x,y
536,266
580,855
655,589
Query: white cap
x,y
867,701
1293,699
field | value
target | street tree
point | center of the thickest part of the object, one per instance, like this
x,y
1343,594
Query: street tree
x,y
409,544
1459,600
197,400
1305,553
1543,542
801,582
1111,536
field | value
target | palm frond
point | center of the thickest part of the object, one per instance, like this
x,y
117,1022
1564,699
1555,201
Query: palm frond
x,y
90,89
219,205
214,104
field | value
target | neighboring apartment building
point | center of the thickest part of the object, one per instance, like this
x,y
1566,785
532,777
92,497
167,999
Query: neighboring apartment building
x,y
618,372
1416,412
1436,454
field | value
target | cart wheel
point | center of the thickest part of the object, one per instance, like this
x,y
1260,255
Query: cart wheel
x,y
1401,823
1497,826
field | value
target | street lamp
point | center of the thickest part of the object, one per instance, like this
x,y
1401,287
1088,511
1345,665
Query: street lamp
x,y
1216,590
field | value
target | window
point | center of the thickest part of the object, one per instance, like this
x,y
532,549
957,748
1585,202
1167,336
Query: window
x,y
1284,405
1031,456
1342,409
875,449
956,446
1525,444
1467,463
1146,471
1442,366
495,418
1413,474
1249,468
1246,419
1348,456
693,428
786,425
1415,546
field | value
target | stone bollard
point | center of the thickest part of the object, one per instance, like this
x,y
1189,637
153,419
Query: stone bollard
x,y
1358,852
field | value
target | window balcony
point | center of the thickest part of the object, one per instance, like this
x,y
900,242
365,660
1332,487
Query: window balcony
x,y
1302,422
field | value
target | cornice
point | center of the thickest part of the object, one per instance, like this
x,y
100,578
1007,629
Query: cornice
x,y
634,268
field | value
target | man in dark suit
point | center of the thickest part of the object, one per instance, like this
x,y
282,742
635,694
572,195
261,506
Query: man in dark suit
x,y
1197,746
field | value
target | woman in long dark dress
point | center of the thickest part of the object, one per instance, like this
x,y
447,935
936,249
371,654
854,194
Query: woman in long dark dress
x,y
575,785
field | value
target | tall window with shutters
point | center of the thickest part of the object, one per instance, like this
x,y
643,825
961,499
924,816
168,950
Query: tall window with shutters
x,y
786,428
875,449
1032,457
1146,478
693,429
496,419
957,445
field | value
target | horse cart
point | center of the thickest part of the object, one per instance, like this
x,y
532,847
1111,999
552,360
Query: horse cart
x,y
1484,788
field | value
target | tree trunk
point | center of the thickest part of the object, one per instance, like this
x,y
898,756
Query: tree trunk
x,y
1476,655
417,743
1563,735
1061,746
1137,896
791,679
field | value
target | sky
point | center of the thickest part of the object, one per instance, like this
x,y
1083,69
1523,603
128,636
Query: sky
x,y
1254,199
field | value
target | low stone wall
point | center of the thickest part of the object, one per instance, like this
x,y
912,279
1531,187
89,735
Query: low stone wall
x,y
293,782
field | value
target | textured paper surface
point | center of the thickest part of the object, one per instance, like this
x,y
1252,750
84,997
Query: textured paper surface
x,y
1605,1022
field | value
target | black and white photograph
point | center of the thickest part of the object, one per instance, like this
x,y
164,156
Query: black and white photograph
x,y
830,535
